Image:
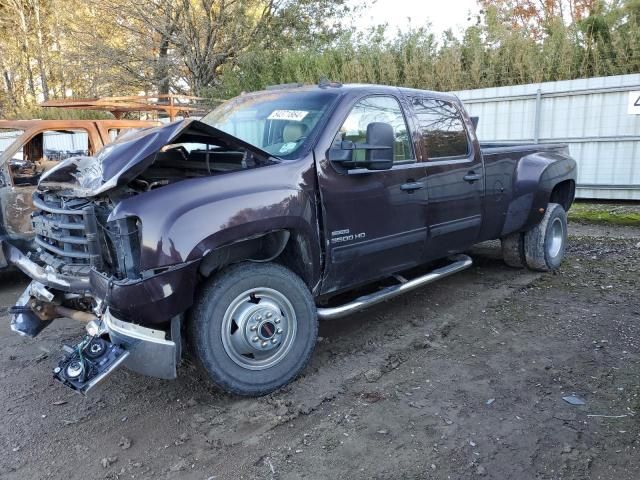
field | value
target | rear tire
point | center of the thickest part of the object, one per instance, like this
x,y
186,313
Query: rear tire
x,y
545,243
513,250
253,328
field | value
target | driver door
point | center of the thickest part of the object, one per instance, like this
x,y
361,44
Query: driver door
x,y
375,220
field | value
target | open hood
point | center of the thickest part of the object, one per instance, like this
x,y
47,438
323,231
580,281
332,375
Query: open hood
x,y
120,162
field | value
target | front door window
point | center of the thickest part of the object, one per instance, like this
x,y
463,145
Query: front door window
x,y
372,109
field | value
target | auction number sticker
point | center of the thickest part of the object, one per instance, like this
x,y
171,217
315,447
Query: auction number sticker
x,y
294,115
634,103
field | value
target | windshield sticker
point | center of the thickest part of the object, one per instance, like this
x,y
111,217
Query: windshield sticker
x,y
287,147
292,115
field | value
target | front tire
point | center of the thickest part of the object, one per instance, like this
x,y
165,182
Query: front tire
x,y
253,328
544,245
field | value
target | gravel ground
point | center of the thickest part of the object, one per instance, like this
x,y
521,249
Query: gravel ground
x,y
461,379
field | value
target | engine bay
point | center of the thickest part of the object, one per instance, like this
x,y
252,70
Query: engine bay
x,y
176,162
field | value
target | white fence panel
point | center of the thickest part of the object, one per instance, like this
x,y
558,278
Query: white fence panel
x,y
593,115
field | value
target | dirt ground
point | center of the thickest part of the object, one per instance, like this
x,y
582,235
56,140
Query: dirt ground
x,y
461,379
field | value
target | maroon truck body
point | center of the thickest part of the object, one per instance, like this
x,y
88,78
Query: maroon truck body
x,y
165,215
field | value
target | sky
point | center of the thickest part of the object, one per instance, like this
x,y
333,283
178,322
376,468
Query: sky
x,y
442,14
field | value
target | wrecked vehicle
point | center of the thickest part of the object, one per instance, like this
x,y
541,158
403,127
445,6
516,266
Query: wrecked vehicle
x,y
28,148
239,231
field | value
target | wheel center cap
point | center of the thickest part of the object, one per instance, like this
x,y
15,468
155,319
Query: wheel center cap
x,y
267,330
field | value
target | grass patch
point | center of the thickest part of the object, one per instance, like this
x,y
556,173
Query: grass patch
x,y
605,214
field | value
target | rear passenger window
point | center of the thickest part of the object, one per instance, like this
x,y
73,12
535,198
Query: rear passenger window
x,y
377,109
441,127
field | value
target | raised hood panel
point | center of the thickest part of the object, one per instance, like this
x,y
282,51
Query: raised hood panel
x,y
120,162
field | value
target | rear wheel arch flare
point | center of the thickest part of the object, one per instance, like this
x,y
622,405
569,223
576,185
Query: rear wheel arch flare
x,y
563,194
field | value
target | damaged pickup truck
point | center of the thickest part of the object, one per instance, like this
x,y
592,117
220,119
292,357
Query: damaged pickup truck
x,y
238,231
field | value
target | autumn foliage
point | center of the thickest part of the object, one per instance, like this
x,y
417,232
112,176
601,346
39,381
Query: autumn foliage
x,y
533,16
218,48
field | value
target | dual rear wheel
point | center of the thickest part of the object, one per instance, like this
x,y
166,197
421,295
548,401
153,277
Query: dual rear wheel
x,y
541,248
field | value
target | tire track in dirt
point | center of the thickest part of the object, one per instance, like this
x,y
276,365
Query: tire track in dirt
x,y
187,429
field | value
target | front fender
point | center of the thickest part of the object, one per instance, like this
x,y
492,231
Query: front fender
x,y
185,221
534,179
185,234
260,213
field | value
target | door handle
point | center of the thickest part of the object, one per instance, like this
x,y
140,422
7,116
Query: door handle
x,y
472,177
411,186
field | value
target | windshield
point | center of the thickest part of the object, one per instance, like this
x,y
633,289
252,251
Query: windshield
x,y
7,137
277,122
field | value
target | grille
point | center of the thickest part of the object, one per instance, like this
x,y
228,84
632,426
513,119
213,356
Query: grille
x,y
66,232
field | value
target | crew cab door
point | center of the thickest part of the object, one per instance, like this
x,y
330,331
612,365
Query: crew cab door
x,y
374,220
455,175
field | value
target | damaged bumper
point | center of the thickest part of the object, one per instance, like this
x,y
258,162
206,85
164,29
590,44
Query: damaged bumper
x,y
41,275
151,346
151,300
24,320
148,351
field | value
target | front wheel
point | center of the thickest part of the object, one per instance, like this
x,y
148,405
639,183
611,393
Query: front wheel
x,y
544,244
253,328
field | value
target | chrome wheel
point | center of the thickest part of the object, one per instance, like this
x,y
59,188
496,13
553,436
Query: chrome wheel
x,y
258,328
556,238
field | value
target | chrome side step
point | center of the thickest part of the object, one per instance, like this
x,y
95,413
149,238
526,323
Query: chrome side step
x,y
460,262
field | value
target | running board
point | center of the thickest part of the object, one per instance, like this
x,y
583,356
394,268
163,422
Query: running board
x,y
460,262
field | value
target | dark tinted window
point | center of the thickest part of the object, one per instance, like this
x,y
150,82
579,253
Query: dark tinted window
x,y
441,127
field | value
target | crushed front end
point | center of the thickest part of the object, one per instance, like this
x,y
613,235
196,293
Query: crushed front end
x,y
92,261
83,263
87,268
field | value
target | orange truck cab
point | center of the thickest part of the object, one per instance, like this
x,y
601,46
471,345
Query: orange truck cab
x,y
28,148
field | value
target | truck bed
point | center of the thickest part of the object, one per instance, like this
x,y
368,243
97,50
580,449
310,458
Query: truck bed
x,y
489,148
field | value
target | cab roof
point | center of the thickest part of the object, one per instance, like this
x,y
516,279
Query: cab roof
x,y
353,88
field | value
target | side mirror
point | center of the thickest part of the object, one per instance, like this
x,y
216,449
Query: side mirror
x,y
378,149
380,136
342,154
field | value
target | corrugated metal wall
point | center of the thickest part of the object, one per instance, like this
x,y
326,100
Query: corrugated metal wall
x,y
7,137
591,115
63,143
